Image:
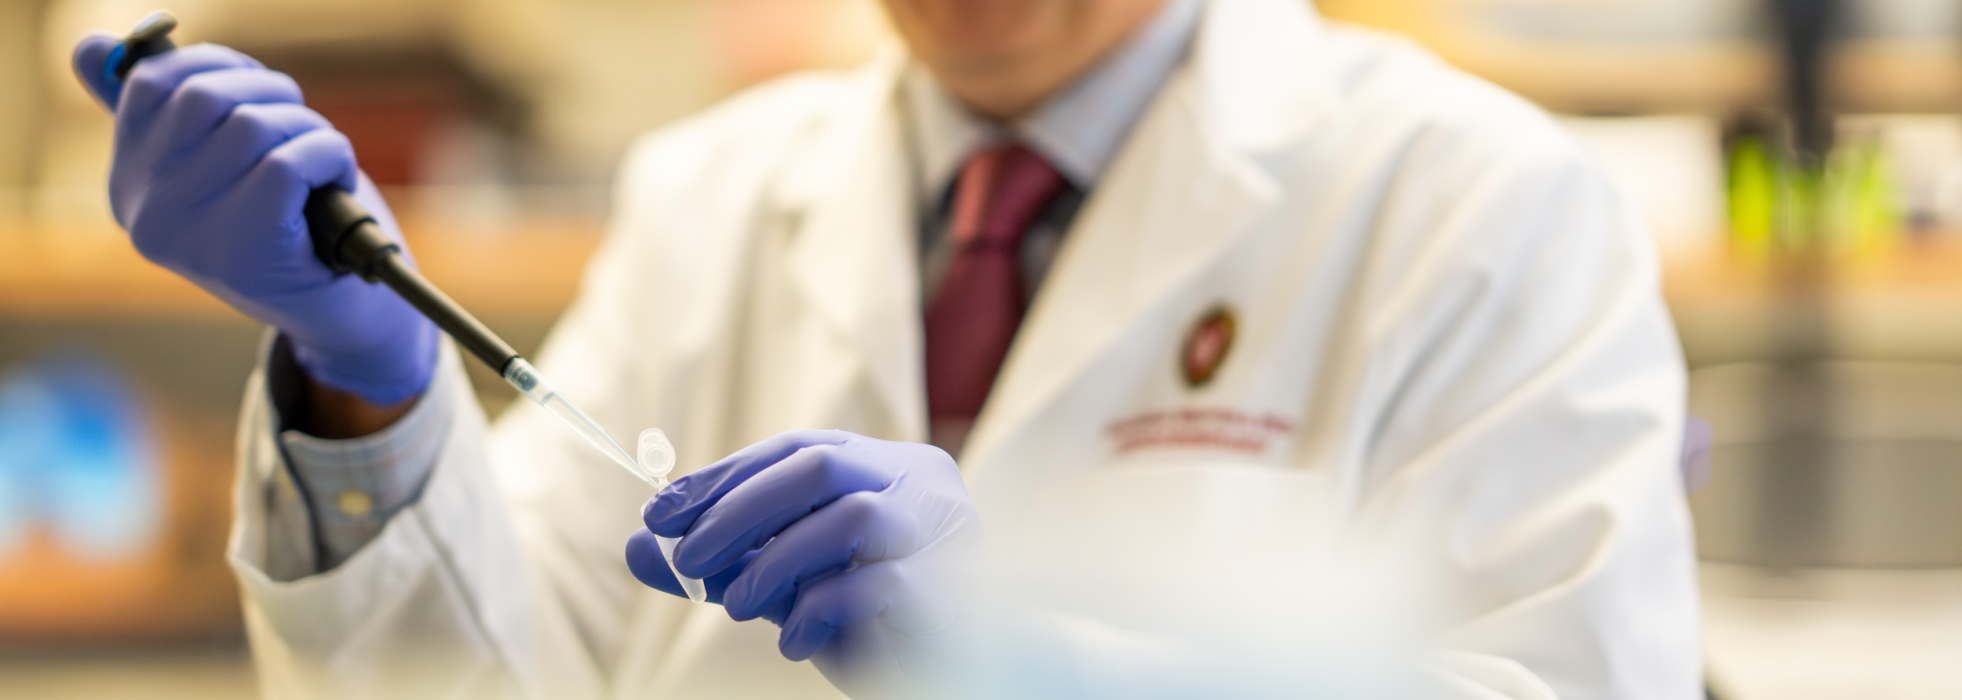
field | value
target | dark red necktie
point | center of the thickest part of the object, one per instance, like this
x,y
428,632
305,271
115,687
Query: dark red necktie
x,y
973,317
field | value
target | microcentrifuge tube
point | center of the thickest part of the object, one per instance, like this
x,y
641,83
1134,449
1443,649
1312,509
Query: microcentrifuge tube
x,y
656,460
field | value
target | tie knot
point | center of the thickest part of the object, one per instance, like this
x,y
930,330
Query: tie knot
x,y
1001,191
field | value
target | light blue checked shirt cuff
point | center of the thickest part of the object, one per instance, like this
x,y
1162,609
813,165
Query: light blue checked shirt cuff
x,y
353,487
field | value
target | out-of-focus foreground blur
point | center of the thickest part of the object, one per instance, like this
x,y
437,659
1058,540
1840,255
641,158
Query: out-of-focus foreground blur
x,y
1812,249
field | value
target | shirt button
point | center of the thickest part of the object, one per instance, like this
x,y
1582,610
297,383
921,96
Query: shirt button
x,y
355,503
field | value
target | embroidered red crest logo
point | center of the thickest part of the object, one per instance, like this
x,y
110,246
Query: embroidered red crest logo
x,y
1207,345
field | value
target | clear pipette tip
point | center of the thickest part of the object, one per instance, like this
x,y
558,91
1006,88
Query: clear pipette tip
x,y
656,453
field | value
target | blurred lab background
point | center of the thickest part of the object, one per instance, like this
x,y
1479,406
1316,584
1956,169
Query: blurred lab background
x,y
1799,161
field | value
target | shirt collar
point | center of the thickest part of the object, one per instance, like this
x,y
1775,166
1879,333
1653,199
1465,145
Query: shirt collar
x,y
1077,130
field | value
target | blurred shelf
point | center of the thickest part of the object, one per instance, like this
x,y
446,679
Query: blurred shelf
x,y
1613,76
1932,266
1899,76
523,268
1605,78
1903,304
1608,79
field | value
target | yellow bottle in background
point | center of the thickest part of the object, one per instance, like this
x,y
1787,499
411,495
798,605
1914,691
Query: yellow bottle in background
x,y
1848,212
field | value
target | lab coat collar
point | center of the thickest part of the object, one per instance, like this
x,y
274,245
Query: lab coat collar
x,y
1261,83
845,196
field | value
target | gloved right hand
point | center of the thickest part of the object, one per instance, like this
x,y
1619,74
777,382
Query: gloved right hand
x,y
215,156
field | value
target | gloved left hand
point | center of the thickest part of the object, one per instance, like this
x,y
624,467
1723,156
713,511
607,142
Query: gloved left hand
x,y
856,547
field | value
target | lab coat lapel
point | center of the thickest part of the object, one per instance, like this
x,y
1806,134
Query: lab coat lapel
x,y
853,256
1184,192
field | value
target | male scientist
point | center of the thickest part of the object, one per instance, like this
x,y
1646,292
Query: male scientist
x,y
1078,348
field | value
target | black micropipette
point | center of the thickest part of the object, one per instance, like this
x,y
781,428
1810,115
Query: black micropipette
x,y
349,241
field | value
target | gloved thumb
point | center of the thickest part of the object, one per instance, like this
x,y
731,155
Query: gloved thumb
x,y
645,561
92,67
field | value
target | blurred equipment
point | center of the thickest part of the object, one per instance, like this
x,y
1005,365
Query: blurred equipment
x,y
112,503
1845,206
1889,447
1807,31
77,457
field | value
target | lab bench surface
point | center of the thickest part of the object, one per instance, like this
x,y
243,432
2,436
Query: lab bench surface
x,y
1833,634
154,673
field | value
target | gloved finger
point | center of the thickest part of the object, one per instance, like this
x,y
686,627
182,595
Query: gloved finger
x,y
155,79
294,169
90,61
759,508
827,605
241,141
206,100
649,567
677,507
279,182
865,527
645,561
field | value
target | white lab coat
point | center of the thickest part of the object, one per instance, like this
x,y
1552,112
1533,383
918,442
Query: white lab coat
x,y
1447,328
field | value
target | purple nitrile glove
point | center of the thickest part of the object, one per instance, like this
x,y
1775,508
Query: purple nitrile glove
x,y
854,546
215,157
1697,439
